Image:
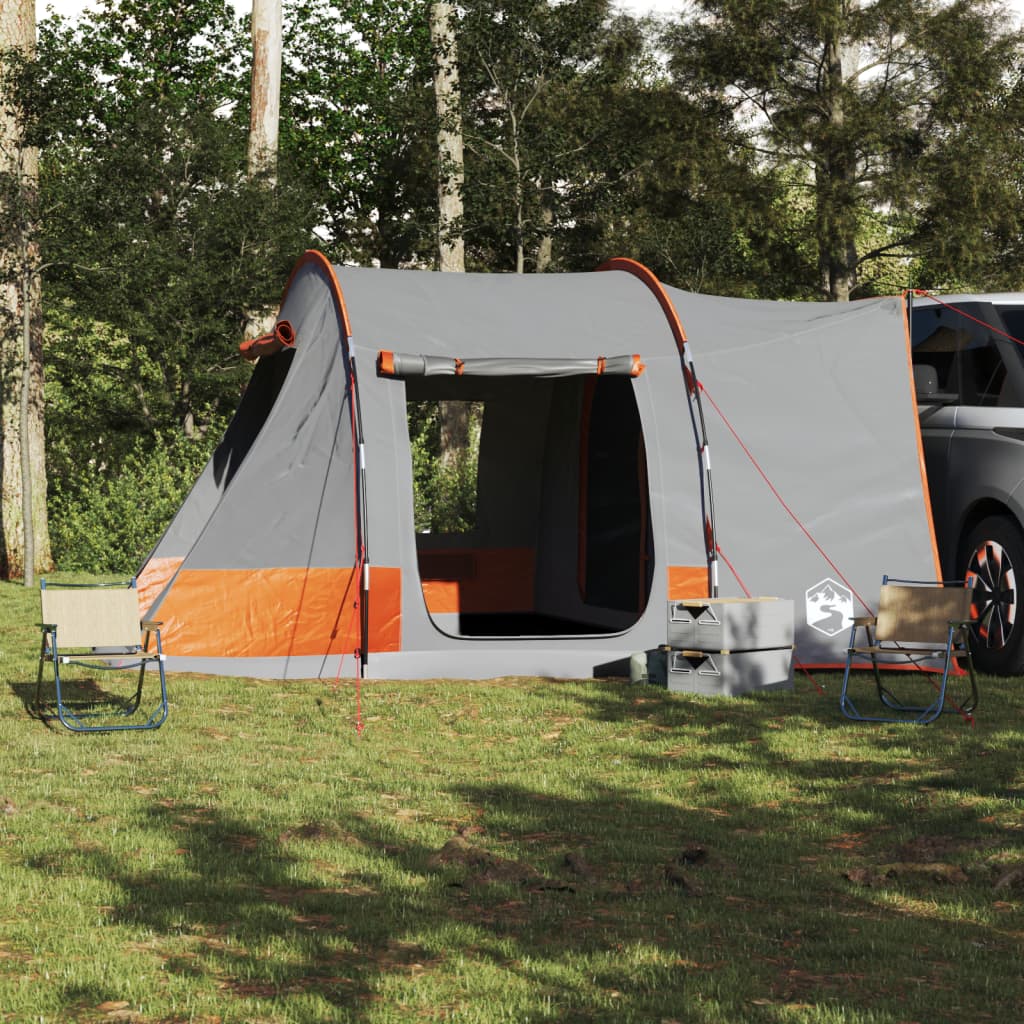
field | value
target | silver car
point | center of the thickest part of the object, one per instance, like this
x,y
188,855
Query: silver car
x,y
969,379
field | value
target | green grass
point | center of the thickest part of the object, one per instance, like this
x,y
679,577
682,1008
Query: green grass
x,y
509,851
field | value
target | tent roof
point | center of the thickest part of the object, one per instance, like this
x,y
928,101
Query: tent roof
x,y
526,315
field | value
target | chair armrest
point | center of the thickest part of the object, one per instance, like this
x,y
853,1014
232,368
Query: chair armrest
x,y
865,620
151,624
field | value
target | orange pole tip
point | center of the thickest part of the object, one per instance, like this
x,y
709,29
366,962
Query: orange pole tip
x,y
386,363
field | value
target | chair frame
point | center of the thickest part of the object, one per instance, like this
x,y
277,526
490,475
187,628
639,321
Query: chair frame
x,y
911,623
115,645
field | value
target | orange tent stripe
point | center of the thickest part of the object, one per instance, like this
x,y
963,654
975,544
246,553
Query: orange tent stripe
x,y
277,613
687,581
478,579
154,577
325,265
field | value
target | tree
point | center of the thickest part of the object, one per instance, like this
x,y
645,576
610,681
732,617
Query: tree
x,y
452,417
967,226
853,93
531,71
157,240
24,534
158,231
264,119
451,168
665,177
358,119
265,92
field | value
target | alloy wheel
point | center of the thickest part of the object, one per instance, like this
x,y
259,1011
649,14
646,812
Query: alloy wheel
x,y
995,594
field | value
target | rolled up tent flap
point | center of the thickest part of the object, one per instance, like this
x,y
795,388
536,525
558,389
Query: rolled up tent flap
x,y
281,337
402,364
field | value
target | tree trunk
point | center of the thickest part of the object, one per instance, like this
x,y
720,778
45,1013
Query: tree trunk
x,y
836,172
453,420
24,530
25,424
451,252
265,113
545,247
264,123
520,221
451,164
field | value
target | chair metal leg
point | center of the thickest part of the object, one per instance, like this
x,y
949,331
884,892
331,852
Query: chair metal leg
x,y
78,720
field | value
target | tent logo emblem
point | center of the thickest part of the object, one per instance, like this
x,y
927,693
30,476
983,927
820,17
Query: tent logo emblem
x,y
829,607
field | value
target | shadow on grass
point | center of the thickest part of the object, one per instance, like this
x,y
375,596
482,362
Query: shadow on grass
x,y
236,901
95,703
736,907
699,903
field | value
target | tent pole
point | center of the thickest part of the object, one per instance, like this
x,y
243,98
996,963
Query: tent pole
x,y
362,546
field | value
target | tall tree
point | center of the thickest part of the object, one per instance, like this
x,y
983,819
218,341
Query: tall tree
x,y
531,70
264,119
967,220
265,91
24,535
160,241
359,120
853,93
451,167
687,200
452,417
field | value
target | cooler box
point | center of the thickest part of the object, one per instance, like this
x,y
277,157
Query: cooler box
x,y
729,673
730,623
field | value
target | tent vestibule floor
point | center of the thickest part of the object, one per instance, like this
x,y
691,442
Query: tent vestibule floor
x,y
525,624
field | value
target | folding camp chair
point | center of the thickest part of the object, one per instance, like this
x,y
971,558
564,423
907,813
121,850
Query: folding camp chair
x,y
917,622
97,626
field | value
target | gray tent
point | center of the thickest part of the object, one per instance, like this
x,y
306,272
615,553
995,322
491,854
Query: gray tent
x,y
295,554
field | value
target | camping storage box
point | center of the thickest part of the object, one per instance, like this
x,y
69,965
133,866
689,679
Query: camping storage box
x,y
730,623
729,673
728,646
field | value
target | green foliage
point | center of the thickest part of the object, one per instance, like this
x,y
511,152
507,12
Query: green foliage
x,y
444,490
537,82
692,203
358,117
153,226
872,103
106,519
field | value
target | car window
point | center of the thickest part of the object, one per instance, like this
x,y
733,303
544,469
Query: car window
x,y
963,352
1013,317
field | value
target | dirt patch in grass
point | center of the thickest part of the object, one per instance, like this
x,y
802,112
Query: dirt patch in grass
x,y
476,866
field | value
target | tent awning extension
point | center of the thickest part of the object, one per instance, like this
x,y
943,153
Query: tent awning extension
x,y
400,364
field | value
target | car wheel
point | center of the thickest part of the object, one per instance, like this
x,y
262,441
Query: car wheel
x,y
993,554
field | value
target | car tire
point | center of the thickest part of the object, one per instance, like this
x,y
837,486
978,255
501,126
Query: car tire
x,y
993,553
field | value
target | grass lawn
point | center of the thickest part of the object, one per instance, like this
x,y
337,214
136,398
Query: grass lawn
x,y
508,851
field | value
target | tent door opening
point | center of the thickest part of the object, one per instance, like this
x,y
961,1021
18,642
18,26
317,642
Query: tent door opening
x,y
543,527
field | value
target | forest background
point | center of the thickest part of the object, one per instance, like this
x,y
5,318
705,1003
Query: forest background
x,y
782,149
